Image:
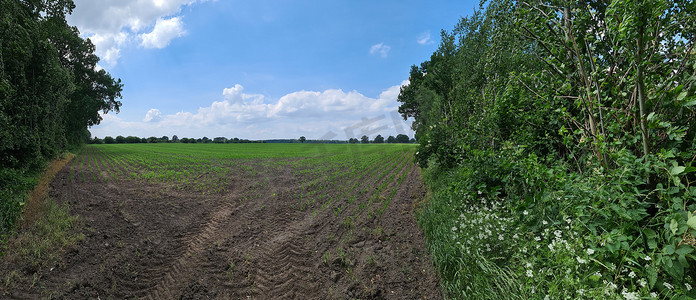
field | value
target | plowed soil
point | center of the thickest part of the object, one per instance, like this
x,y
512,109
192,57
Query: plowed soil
x,y
146,240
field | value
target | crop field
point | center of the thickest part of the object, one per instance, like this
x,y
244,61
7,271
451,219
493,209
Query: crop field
x,y
230,221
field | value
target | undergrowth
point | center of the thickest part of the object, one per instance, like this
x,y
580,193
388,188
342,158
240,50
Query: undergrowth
x,y
509,226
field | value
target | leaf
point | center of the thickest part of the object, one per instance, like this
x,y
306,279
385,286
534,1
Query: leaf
x,y
681,96
676,170
669,249
676,270
649,233
684,250
674,226
651,116
692,222
652,243
652,275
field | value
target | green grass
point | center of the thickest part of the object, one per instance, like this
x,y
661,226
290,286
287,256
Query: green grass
x,y
40,245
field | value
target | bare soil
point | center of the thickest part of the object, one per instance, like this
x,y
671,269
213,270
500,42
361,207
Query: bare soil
x,y
145,240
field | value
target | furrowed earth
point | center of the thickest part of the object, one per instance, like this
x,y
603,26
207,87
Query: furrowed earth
x,y
175,221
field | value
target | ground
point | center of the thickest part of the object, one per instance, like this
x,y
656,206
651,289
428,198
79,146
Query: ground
x,y
254,238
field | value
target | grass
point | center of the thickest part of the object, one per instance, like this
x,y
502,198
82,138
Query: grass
x,y
46,229
465,274
39,246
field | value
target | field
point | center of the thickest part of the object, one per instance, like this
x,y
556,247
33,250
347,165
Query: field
x,y
232,221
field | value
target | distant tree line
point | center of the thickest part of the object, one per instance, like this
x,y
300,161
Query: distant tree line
x,y
165,139
51,91
379,139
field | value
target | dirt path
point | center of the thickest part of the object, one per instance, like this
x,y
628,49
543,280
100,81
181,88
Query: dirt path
x,y
143,240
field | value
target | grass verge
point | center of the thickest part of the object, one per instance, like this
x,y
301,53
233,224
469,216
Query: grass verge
x,y
45,230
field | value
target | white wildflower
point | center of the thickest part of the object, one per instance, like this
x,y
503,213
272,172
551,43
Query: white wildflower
x,y
653,295
529,273
580,260
668,286
688,287
630,295
642,282
581,292
632,274
647,257
525,212
590,251
544,222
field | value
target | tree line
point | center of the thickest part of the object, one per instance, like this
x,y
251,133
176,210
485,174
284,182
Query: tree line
x,y
592,100
51,91
400,139
379,139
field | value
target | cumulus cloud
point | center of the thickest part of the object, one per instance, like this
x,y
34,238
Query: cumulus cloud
x,y
114,24
381,49
163,33
248,115
424,39
153,115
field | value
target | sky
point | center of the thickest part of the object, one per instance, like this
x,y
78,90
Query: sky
x,y
262,69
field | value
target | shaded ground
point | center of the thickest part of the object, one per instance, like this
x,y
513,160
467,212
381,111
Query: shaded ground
x,y
145,240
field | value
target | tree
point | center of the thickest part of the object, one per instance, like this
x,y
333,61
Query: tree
x,y
108,140
379,139
220,140
353,140
364,139
152,139
175,138
402,138
134,139
164,139
120,139
302,139
391,139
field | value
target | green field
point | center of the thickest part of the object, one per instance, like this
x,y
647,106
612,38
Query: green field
x,y
324,171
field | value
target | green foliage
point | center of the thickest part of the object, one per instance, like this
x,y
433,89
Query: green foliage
x,y
50,92
571,125
379,139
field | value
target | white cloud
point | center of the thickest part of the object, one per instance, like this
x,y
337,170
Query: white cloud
x,y
163,33
424,39
245,115
153,115
112,24
381,49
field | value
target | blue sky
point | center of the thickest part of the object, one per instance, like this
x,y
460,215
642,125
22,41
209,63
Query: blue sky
x,y
262,69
